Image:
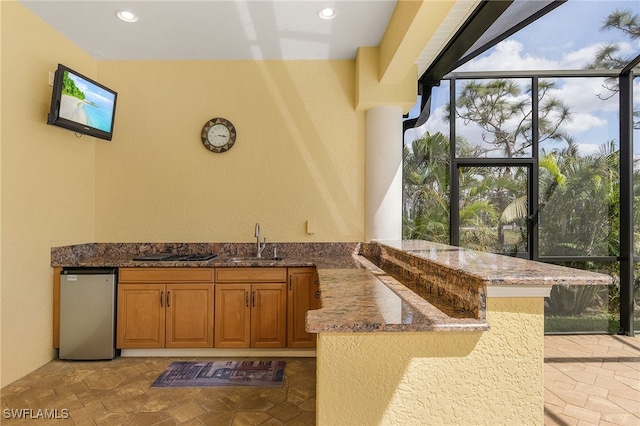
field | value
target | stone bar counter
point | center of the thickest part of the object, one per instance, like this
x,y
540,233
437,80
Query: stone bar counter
x,y
467,374
409,332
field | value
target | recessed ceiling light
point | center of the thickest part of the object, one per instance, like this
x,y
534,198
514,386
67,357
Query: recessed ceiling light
x,y
126,16
327,13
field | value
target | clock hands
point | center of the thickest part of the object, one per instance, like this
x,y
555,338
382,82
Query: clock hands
x,y
218,135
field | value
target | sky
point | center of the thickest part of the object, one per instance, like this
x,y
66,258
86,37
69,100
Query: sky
x,y
565,38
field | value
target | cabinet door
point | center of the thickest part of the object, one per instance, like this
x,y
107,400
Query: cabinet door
x,y
268,315
302,296
232,316
189,316
141,315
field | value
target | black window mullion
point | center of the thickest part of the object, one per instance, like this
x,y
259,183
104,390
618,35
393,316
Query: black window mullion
x,y
533,201
626,203
497,162
627,255
454,182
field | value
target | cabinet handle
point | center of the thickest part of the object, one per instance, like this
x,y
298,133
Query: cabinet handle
x,y
168,299
161,297
290,279
317,294
246,298
253,298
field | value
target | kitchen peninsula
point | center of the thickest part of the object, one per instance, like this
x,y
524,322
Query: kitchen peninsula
x,y
409,332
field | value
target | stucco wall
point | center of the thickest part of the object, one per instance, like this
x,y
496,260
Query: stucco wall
x,y
494,377
299,153
47,186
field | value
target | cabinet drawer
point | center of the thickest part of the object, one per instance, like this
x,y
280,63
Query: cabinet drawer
x,y
166,275
251,275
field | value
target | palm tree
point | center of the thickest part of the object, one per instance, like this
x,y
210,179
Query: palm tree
x,y
503,111
610,55
426,195
484,193
579,217
426,188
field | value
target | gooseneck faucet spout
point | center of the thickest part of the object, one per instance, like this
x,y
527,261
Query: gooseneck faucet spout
x,y
259,246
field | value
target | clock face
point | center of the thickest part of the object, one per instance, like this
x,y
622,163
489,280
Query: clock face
x,y
218,135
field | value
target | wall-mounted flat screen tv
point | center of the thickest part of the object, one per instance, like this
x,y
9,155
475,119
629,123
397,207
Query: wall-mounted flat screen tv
x,y
80,104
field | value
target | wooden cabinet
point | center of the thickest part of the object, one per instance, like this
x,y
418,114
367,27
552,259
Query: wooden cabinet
x,y
268,315
141,316
189,316
251,308
261,307
233,316
165,307
303,295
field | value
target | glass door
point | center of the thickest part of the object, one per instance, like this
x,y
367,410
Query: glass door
x,y
495,208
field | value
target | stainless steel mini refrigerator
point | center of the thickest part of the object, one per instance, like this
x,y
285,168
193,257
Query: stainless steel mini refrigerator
x,y
87,313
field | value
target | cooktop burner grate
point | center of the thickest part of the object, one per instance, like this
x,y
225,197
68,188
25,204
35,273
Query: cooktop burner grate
x,y
168,257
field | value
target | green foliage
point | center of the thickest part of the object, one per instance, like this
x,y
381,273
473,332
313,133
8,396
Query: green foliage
x,y
426,189
578,195
579,203
69,87
570,300
503,110
612,55
583,323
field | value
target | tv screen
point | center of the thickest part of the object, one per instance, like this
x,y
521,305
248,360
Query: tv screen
x,y
81,104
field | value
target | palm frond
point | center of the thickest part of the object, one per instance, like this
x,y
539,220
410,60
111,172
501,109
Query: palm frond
x,y
516,210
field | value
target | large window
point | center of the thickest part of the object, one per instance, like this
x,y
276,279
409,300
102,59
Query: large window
x,y
513,173
542,164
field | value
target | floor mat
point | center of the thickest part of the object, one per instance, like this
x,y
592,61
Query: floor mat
x,y
181,374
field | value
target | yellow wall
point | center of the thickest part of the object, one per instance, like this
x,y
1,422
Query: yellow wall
x,y
299,156
493,377
47,186
299,153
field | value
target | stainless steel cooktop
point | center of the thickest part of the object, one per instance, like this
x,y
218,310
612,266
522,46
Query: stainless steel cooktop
x,y
169,257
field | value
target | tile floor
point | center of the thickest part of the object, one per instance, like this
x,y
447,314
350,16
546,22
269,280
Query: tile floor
x,y
589,380
118,392
592,380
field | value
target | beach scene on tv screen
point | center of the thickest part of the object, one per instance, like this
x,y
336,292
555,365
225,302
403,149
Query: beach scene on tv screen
x,y
86,103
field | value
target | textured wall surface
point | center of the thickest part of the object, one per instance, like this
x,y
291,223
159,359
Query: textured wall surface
x,y
47,185
458,378
298,157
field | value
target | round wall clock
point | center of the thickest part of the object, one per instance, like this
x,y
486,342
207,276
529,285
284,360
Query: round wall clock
x,y
218,135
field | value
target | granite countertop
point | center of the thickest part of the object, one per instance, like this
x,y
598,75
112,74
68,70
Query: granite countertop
x,y
356,295
331,262
121,255
368,300
494,269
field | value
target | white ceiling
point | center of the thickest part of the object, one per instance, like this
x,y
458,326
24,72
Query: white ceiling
x,y
174,30
230,29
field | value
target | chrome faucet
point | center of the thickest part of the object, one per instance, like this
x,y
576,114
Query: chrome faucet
x,y
259,247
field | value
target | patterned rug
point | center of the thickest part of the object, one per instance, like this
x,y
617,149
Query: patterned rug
x,y
192,374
